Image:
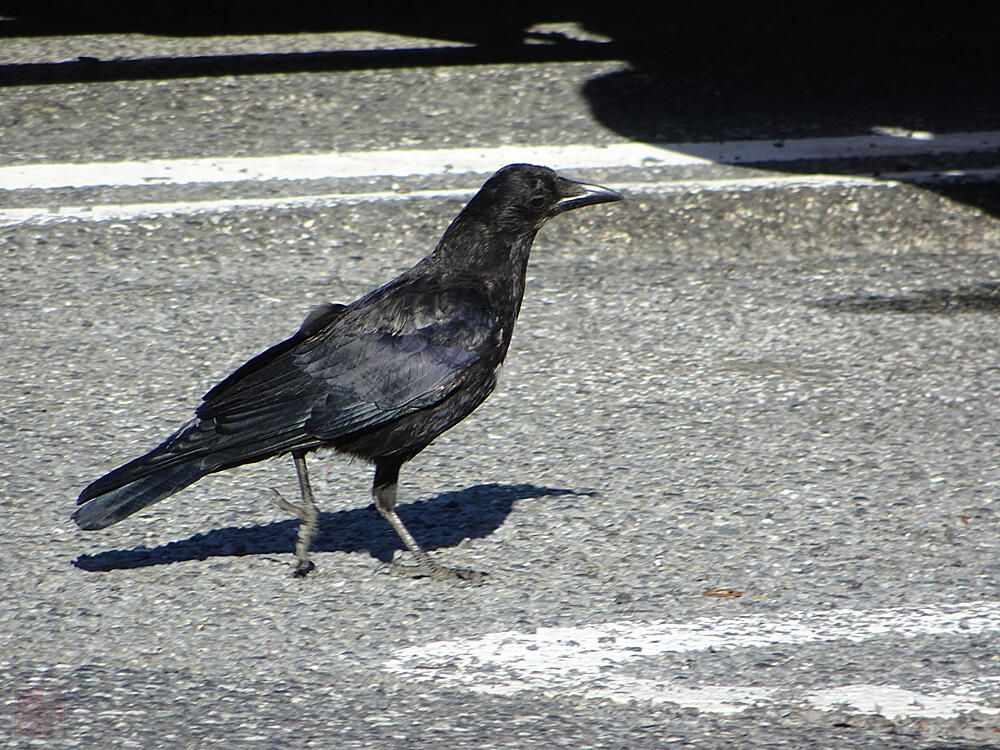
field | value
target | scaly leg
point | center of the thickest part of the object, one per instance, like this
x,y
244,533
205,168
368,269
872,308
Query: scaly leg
x,y
306,512
309,521
384,494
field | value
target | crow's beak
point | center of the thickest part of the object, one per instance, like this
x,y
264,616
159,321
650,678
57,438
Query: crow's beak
x,y
578,194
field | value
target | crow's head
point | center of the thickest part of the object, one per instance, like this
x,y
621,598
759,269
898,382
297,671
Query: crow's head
x,y
532,195
495,230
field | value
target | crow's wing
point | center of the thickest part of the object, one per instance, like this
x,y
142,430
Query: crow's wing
x,y
353,374
317,319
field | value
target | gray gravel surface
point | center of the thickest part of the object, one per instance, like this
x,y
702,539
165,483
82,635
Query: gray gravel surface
x,y
792,393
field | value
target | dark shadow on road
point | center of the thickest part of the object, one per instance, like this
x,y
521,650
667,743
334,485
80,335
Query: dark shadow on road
x,y
974,298
89,70
808,70
696,73
457,20
479,36
443,521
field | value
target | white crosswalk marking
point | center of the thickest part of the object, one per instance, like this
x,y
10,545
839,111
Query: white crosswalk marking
x,y
410,163
596,661
422,162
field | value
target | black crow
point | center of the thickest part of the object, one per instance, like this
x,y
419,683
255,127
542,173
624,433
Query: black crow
x,y
379,378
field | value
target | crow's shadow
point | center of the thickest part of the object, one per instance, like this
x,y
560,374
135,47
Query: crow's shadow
x,y
442,521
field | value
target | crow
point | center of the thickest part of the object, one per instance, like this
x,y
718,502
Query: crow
x,y
379,378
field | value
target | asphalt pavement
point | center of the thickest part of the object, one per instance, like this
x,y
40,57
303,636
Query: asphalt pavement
x,y
746,405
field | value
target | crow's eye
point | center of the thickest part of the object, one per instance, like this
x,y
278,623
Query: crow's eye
x,y
537,201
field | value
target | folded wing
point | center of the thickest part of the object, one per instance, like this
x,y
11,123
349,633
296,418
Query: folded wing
x,y
350,376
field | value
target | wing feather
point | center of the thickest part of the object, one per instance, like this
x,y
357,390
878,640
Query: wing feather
x,y
362,369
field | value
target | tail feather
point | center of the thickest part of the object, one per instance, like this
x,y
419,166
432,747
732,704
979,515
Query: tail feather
x,y
189,442
195,450
112,507
180,460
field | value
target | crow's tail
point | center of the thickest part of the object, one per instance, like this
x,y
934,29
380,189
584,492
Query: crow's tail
x,y
195,450
181,459
112,507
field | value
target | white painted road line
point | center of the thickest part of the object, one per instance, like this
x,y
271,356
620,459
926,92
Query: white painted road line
x,y
397,163
896,703
38,215
609,660
415,162
131,211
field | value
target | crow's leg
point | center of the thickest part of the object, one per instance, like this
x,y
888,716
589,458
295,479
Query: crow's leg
x,y
384,494
308,521
306,512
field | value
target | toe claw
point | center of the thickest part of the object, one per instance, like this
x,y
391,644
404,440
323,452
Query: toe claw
x,y
438,573
303,569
